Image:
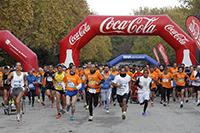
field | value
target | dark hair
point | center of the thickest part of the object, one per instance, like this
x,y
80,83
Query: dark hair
x,y
151,66
180,67
146,71
106,66
70,67
122,67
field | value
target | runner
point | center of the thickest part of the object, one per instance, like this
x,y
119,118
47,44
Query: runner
x,y
195,77
39,77
166,78
123,85
32,81
154,76
173,71
6,87
106,87
18,81
93,80
50,90
1,81
144,86
180,78
114,96
85,72
59,86
73,84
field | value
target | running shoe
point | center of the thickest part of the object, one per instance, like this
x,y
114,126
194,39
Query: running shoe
x,y
161,102
107,111
99,104
198,104
123,116
58,116
152,105
78,100
67,109
143,113
187,101
164,104
52,106
38,100
102,104
174,99
49,97
105,107
43,103
90,118
71,118
127,105
181,106
32,105
29,103
87,107
63,111
18,118
114,104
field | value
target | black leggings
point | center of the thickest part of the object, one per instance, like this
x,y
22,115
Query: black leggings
x,y
43,93
33,95
86,96
114,96
96,98
163,95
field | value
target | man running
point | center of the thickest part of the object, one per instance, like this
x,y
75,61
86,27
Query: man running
x,y
93,80
73,84
6,87
50,90
123,85
32,81
154,76
180,78
18,81
173,71
59,86
106,87
166,78
144,86
195,77
114,96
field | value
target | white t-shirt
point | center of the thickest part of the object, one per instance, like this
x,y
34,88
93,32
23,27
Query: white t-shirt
x,y
145,82
125,84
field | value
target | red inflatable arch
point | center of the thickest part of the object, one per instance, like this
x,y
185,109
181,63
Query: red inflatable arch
x,y
160,25
15,48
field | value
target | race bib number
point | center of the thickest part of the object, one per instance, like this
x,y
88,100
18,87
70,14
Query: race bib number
x,y
59,84
31,86
92,82
123,87
17,83
92,90
70,85
180,80
49,79
165,80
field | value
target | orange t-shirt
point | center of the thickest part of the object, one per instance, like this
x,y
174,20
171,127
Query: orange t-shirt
x,y
129,73
154,76
180,78
1,76
115,73
173,70
42,74
92,79
166,80
71,81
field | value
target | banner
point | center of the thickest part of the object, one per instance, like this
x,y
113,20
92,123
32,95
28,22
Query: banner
x,y
163,53
156,55
193,26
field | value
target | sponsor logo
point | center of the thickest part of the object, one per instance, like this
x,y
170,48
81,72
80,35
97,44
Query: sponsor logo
x,y
179,37
195,31
138,25
133,57
82,31
161,49
8,42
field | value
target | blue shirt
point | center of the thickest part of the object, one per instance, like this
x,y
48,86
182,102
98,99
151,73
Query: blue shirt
x,y
30,80
106,84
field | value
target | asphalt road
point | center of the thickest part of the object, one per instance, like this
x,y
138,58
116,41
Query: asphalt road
x,y
159,119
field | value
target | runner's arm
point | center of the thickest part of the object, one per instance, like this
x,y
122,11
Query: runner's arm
x,y
10,76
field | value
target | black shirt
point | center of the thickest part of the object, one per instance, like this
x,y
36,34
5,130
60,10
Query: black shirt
x,y
49,77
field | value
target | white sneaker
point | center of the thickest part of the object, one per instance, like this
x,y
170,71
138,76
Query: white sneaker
x,y
18,118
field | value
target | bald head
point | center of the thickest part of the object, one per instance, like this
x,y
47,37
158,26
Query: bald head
x,y
198,68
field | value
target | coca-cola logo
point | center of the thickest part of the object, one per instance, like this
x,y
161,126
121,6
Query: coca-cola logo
x,y
179,37
82,31
195,30
138,25
161,49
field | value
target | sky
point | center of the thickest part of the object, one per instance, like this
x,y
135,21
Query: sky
x,y
126,7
